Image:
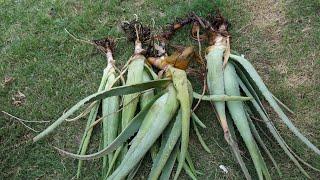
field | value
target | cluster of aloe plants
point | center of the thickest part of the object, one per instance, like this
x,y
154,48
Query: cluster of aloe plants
x,y
147,105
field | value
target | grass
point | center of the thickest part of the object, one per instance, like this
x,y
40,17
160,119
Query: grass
x,y
54,71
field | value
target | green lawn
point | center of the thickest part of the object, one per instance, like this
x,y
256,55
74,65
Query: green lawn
x,y
54,71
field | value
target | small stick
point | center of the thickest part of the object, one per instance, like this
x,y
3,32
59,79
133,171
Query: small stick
x,y
203,91
204,82
83,113
81,40
12,116
199,43
21,121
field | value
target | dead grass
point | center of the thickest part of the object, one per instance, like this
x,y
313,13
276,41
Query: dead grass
x,y
267,17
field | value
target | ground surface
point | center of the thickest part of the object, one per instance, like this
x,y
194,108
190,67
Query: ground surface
x,y
53,71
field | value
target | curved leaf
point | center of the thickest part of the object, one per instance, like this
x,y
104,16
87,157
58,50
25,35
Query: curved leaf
x,y
271,128
204,145
220,98
268,96
180,82
121,90
129,131
197,120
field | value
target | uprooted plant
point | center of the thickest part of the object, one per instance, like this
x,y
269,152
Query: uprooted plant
x,y
155,114
233,75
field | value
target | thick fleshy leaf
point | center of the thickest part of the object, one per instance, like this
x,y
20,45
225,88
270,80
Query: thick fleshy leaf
x,y
197,120
282,104
268,96
134,171
238,115
260,141
203,144
271,127
155,122
167,169
187,168
191,164
134,76
110,122
219,98
248,88
117,91
167,147
215,83
180,82
232,141
91,118
247,82
151,72
144,99
261,110
129,131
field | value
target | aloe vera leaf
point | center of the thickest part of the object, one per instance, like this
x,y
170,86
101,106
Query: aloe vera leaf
x,y
293,153
187,168
94,110
264,147
127,89
167,169
301,160
271,128
215,81
121,90
191,165
158,117
144,99
252,91
238,115
169,142
132,128
114,161
151,72
197,120
154,150
110,123
180,82
86,136
235,149
282,104
268,96
247,82
220,98
134,76
146,96
92,117
203,144
134,171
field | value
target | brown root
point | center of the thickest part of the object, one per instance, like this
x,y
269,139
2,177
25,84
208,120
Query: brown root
x,y
172,28
105,45
135,31
213,25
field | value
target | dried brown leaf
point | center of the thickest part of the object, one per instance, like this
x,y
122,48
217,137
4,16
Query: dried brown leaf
x,y
8,80
18,99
